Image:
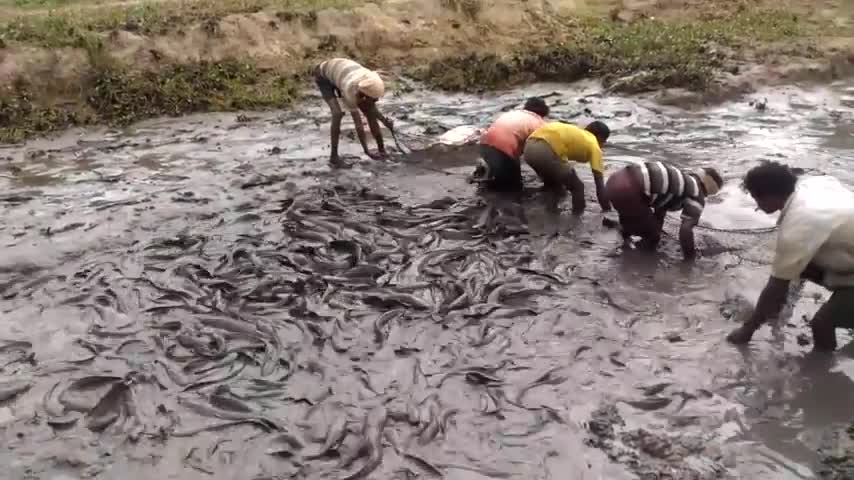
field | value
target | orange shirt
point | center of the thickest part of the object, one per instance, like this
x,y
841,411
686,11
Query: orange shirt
x,y
510,130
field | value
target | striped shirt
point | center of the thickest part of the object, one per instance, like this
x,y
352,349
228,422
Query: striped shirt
x,y
671,189
345,74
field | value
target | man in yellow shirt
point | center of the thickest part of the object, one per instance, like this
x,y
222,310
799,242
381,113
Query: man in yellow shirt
x,y
551,151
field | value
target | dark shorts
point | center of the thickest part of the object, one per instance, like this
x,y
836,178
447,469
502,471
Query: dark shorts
x,y
328,89
624,189
504,172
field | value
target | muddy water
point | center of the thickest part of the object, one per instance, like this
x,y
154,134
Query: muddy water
x,y
203,298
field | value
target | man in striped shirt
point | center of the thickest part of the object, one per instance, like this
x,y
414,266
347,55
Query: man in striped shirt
x,y
359,89
642,194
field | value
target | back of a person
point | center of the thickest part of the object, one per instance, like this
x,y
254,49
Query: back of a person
x,y
510,129
823,203
346,75
569,141
667,186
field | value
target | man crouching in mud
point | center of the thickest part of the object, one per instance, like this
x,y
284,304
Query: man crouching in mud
x,y
815,241
499,166
359,89
642,195
550,151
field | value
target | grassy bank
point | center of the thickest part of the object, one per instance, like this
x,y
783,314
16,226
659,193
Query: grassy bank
x,y
460,48
76,27
637,57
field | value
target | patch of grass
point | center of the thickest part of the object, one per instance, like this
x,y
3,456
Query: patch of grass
x,y
20,118
36,3
119,96
644,55
64,27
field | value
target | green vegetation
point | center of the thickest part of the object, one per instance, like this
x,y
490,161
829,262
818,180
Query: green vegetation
x,y
644,55
633,57
35,3
119,96
70,27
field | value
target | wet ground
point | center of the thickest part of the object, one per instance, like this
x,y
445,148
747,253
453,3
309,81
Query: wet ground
x,y
203,298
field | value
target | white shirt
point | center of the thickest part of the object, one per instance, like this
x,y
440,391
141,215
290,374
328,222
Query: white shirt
x,y
817,225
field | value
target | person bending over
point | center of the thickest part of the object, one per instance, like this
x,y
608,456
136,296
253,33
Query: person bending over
x,y
815,242
499,165
642,195
359,89
551,150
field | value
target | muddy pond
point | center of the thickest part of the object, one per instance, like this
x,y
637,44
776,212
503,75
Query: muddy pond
x,y
202,298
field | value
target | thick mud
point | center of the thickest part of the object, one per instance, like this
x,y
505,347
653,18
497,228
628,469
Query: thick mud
x,y
204,298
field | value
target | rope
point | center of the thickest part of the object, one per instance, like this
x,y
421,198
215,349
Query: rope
x,y
740,231
737,231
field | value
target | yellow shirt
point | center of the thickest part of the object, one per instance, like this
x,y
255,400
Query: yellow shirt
x,y
572,144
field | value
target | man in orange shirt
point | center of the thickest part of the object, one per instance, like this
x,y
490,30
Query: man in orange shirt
x,y
501,145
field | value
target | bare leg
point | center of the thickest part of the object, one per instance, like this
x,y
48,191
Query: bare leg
x,y
335,130
553,194
576,188
837,312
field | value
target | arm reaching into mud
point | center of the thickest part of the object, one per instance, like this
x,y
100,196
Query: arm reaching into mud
x,y
770,302
360,132
686,237
374,115
599,180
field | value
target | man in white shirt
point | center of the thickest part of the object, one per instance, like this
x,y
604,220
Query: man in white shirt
x,y
815,242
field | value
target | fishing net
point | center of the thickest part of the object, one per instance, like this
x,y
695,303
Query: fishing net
x,y
752,246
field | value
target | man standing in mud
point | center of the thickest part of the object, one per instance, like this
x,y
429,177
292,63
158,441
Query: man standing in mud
x,y
642,194
551,150
815,242
499,166
360,89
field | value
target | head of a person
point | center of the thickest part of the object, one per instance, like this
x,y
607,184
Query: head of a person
x,y
370,89
537,105
770,184
600,131
712,181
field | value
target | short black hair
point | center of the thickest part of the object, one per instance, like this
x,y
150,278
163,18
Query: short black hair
x,y
770,178
599,129
537,105
715,176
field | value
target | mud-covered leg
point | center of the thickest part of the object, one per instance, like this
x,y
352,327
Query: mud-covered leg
x,y
553,195
625,230
649,229
576,189
838,312
335,130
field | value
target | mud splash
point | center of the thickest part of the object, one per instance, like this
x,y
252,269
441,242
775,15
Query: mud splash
x,y
205,299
